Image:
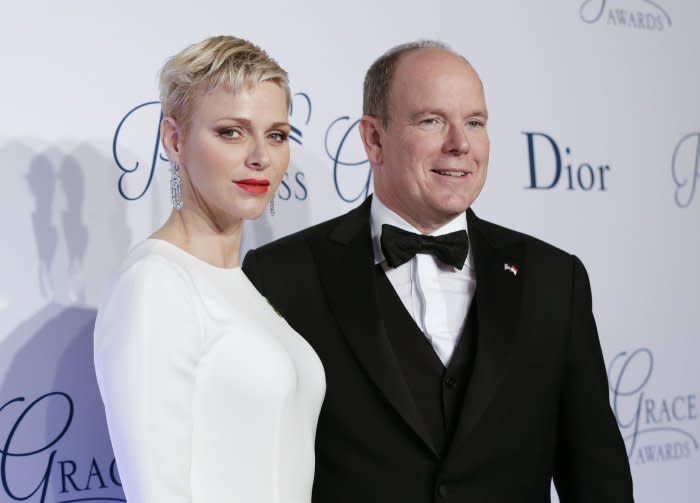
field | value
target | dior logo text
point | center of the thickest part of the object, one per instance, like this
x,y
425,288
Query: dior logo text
x,y
547,165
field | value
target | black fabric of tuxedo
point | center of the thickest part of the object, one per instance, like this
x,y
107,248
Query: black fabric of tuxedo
x,y
536,403
438,391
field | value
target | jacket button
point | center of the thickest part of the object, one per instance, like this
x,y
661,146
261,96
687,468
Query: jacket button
x,y
442,490
450,382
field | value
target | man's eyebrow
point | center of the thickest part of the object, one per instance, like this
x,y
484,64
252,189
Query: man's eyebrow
x,y
479,113
426,111
437,111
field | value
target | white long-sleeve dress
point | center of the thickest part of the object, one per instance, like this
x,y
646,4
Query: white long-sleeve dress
x,y
210,395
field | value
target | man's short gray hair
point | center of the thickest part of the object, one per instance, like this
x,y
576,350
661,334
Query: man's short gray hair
x,y
379,76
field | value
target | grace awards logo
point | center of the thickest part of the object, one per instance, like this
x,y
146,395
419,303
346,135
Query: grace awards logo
x,y
685,169
646,15
352,176
33,465
656,428
138,157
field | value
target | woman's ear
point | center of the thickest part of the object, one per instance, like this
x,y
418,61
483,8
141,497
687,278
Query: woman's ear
x,y
170,137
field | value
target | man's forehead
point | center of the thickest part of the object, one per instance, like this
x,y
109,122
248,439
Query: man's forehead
x,y
431,71
424,77
431,59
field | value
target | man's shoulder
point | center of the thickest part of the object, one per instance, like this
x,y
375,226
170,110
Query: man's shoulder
x,y
500,235
302,237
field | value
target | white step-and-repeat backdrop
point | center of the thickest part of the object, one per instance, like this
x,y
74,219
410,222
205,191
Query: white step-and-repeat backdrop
x,y
595,129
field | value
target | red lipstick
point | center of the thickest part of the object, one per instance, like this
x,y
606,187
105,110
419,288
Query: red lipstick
x,y
253,185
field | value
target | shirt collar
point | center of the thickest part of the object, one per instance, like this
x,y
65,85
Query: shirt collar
x,y
380,214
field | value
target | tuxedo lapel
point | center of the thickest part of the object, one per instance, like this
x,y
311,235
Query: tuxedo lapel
x,y
346,265
500,267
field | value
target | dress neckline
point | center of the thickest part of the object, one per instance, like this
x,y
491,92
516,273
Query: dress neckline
x,y
191,258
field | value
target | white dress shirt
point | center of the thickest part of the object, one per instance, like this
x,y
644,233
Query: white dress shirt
x,y
436,295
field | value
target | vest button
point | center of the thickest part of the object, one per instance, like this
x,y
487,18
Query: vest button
x,y
450,382
442,490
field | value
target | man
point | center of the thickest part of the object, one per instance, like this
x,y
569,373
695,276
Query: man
x,y
470,371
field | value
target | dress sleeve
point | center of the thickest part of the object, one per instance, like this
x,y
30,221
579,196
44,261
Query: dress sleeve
x,y
147,344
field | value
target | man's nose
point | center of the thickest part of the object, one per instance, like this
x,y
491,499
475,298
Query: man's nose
x,y
457,141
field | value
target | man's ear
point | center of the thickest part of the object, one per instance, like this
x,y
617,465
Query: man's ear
x,y
170,137
371,132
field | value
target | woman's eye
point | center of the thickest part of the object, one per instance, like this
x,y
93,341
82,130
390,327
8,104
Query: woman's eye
x,y
230,133
278,137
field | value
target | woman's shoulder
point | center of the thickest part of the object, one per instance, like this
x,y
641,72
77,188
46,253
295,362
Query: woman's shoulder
x,y
148,267
147,291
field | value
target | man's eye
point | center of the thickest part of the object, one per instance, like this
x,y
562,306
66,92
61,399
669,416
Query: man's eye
x,y
476,123
429,121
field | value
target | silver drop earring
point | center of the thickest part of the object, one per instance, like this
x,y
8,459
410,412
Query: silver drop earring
x,y
175,186
272,205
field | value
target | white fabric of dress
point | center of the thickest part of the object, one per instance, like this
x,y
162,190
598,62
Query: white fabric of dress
x,y
210,395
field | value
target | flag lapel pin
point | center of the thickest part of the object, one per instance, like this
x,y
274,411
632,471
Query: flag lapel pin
x,y
512,268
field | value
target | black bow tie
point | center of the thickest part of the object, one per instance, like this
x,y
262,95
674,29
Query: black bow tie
x,y
400,246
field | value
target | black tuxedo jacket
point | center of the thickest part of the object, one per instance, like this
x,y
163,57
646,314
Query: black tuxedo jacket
x,y
536,405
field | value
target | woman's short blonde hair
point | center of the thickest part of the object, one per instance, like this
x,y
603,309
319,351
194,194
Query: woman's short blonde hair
x,y
222,61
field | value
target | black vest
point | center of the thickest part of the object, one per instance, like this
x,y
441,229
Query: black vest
x,y
438,391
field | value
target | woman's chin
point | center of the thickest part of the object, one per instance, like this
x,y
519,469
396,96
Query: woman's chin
x,y
254,213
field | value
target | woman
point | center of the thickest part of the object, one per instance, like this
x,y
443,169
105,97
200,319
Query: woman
x,y
210,396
